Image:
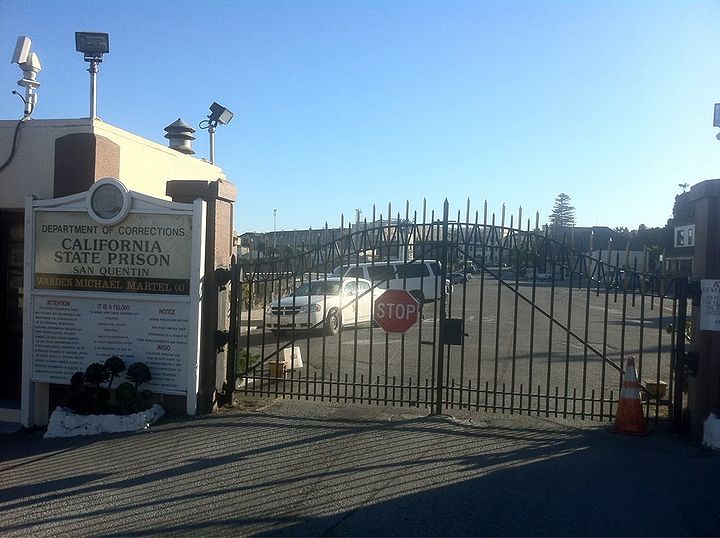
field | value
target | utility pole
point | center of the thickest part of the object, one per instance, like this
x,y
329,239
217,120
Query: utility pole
x,y
274,229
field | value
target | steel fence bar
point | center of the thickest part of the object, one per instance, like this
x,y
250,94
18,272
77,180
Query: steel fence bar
x,y
498,306
567,342
551,317
515,315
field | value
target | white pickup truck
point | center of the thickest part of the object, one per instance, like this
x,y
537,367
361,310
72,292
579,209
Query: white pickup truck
x,y
327,304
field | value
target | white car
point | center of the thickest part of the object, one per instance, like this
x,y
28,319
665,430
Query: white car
x,y
327,304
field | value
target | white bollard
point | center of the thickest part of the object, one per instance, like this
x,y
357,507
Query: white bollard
x,y
292,358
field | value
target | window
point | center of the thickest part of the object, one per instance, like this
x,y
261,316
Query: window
x,y
354,272
338,271
686,267
412,270
351,288
685,236
679,238
381,272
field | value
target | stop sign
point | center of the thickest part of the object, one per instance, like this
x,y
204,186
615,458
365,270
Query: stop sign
x,y
396,311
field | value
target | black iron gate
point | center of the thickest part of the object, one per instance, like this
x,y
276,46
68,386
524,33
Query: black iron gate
x,y
522,319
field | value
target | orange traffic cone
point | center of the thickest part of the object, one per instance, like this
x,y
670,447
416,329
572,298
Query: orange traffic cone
x,y
629,417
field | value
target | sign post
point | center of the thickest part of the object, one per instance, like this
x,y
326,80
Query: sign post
x,y
396,311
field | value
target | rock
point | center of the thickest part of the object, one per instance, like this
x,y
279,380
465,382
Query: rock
x,y
64,423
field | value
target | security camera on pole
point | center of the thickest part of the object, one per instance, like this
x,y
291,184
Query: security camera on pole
x,y
30,65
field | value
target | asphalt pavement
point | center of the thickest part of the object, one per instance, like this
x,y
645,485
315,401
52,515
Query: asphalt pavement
x,y
299,468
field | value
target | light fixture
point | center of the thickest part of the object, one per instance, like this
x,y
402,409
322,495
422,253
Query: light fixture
x,y
93,45
219,115
30,65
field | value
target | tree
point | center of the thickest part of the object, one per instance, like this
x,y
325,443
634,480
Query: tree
x,y
563,214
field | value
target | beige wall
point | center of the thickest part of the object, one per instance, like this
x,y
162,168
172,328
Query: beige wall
x,y
145,166
32,170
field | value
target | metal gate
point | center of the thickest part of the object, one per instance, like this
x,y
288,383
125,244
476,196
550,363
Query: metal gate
x,y
523,320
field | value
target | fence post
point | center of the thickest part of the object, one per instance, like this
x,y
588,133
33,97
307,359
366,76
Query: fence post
x,y
234,329
219,196
704,388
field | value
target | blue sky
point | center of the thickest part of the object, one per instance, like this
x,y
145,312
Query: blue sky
x,y
344,104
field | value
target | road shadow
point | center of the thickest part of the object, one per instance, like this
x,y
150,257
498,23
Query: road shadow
x,y
295,474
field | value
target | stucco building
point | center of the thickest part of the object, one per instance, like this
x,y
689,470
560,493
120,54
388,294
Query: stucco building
x,y
55,158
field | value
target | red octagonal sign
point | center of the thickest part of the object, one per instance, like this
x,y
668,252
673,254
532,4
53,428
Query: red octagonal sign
x,y
396,311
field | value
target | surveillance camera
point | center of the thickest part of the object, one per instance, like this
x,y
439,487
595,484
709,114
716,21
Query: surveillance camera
x,y
32,63
22,50
716,117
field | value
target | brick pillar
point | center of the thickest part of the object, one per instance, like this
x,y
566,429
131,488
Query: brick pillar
x,y
704,389
219,196
81,159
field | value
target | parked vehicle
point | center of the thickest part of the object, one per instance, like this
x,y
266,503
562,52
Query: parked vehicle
x,y
459,278
327,304
420,278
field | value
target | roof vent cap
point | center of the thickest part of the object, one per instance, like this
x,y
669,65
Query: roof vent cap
x,y
180,136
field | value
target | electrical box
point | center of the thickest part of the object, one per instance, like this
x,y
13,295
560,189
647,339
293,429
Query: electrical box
x,y
454,333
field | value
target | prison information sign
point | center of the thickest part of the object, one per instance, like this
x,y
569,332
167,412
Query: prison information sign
x,y
710,305
72,332
145,253
112,272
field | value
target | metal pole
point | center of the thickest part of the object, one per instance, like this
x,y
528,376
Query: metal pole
x,y
93,70
211,130
234,328
441,333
